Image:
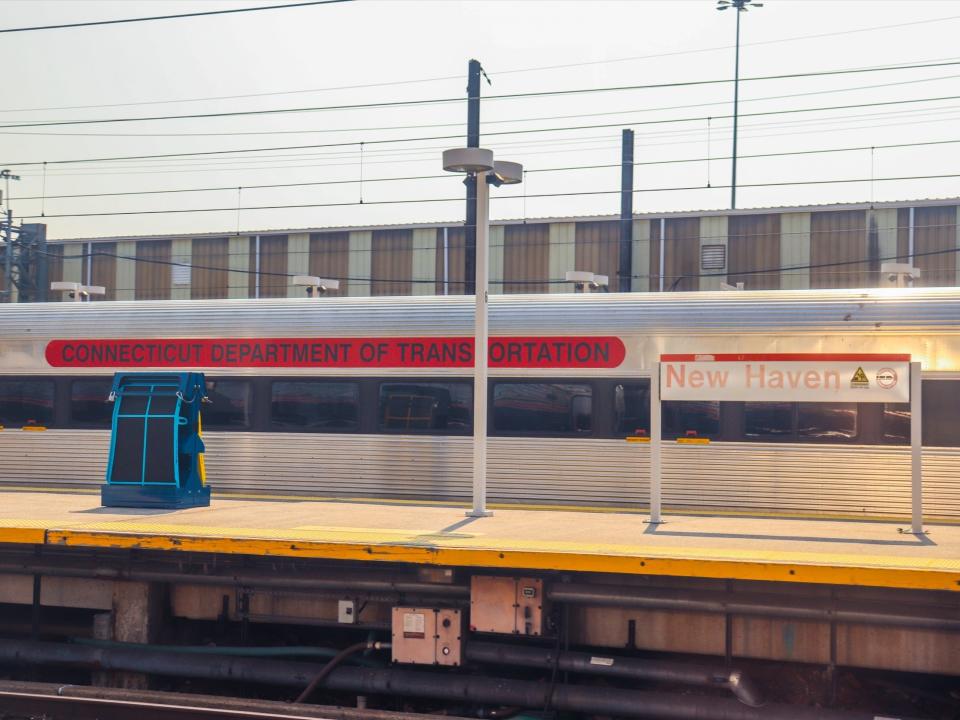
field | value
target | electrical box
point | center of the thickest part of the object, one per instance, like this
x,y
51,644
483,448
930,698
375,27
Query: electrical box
x,y
347,612
427,636
507,605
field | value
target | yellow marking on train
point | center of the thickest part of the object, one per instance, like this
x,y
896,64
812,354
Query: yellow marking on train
x,y
693,441
637,439
33,428
833,569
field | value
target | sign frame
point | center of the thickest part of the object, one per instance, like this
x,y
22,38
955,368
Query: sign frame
x,y
913,385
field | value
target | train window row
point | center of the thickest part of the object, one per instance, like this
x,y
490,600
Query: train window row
x,y
601,408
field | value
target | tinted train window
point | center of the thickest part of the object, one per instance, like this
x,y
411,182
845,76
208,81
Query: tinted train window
x,y
543,408
631,408
941,405
435,407
896,423
26,402
229,406
89,406
315,406
828,422
768,420
683,418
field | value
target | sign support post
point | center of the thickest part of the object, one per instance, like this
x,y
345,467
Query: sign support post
x,y
656,469
916,449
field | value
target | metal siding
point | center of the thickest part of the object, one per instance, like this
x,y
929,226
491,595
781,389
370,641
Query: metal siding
x,y
526,258
754,244
209,276
55,269
838,246
871,480
598,249
681,262
273,267
456,238
330,258
104,270
935,233
391,262
153,270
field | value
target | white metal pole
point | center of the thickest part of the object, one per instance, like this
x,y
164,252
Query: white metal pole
x,y
916,448
480,352
663,254
655,457
446,263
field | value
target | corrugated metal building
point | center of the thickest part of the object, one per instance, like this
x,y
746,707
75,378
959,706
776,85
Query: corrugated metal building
x,y
791,248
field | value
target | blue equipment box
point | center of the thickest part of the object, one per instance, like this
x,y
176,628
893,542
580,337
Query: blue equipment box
x,y
156,448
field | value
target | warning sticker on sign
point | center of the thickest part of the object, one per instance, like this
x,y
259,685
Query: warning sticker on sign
x,y
860,380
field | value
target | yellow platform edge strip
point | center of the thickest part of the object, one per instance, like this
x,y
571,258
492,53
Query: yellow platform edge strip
x,y
903,578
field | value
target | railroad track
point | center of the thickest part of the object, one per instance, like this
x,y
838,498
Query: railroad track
x,y
47,701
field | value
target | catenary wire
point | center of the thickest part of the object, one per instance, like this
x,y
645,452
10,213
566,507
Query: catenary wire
x,y
178,16
497,133
507,96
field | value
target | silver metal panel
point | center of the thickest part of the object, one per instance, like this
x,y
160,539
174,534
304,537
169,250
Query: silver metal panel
x,y
923,322
730,476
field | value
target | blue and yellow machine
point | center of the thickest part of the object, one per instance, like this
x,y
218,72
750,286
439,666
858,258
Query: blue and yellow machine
x,y
156,448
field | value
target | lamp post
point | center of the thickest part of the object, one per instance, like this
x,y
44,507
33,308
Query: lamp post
x,y
479,163
740,6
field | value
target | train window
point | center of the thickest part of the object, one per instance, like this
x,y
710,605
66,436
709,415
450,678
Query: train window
x,y
229,407
89,406
683,418
896,423
941,398
315,406
26,402
768,420
542,408
430,407
631,408
828,422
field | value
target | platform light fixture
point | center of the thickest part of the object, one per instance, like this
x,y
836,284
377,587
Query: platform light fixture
x,y
315,286
584,281
77,291
479,162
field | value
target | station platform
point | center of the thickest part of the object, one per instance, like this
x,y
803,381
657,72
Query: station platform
x,y
826,551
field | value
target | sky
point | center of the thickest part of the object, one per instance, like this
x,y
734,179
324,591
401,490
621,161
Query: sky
x,y
371,52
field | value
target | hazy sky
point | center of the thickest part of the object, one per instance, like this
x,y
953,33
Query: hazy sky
x,y
383,51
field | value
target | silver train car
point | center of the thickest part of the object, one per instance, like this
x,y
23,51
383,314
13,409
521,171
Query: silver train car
x,y
372,397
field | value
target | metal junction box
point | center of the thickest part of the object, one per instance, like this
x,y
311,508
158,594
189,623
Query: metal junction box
x,y
506,605
427,636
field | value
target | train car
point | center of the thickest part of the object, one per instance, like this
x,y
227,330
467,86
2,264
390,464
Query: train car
x,y
372,397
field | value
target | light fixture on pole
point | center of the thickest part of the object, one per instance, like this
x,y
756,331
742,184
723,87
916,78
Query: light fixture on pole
x,y
479,162
315,286
740,6
584,281
77,291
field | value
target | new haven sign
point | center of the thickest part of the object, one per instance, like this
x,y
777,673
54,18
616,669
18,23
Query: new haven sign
x,y
782,377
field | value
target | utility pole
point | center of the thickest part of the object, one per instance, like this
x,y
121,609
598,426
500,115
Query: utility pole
x,y
8,257
473,141
626,212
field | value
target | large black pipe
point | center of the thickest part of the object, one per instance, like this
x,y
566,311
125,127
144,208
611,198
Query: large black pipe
x,y
649,598
607,665
442,685
780,606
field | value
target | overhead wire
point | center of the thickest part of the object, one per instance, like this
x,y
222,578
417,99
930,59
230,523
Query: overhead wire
x,y
498,133
177,16
405,201
448,175
505,96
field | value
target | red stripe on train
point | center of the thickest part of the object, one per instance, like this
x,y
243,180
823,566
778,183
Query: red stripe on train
x,y
417,352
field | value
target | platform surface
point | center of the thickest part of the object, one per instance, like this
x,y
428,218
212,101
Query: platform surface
x,y
840,552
